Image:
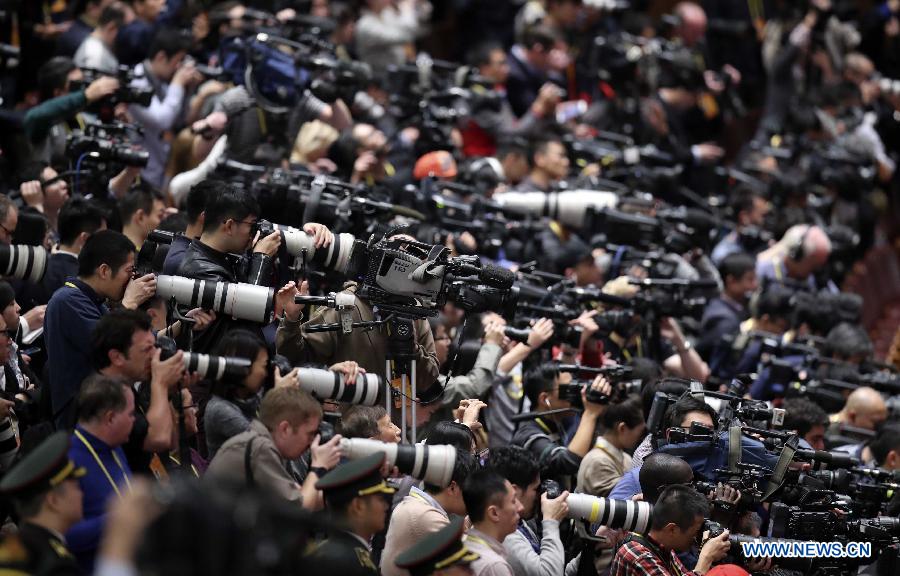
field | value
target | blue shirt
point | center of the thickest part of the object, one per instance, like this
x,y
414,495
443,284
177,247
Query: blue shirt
x,y
627,486
69,321
84,538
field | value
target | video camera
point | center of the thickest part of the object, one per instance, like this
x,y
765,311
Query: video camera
x,y
124,94
105,143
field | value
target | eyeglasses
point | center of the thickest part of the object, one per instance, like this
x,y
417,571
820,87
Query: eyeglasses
x,y
254,225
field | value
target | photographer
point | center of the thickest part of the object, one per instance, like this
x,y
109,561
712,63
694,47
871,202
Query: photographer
x,y
507,391
807,419
124,347
677,518
46,125
141,211
723,315
287,426
609,459
545,437
105,272
368,348
750,209
229,229
171,79
78,220
45,191
527,554
549,165
195,209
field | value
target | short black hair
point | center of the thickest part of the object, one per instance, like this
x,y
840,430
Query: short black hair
x,y
660,470
112,14
801,414
774,301
465,464
742,199
229,203
99,394
78,215
114,331
199,195
455,434
541,145
537,380
516,464
888,439
169,41
137,199
482,489
542,36
481,53
846,340
52,75
736,265
104,247
681,505
684,406
671,386
630,411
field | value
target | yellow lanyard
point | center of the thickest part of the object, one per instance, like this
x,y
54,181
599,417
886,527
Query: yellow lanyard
x,y
103,467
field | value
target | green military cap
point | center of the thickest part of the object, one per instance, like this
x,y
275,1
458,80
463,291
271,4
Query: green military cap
x,y
45,467
355,478
437,551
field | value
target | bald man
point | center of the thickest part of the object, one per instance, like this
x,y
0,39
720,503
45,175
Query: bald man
x,y
865,408
692,26
794,260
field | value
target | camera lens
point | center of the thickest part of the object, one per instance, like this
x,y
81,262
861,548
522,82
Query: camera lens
x,y
325,384
216,367
334,257
615,514
238,300
433,464
23,262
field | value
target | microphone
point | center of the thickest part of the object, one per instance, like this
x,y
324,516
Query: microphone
x,y
496,276
233,103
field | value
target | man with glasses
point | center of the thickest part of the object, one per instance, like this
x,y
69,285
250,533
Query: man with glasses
x,y
230,228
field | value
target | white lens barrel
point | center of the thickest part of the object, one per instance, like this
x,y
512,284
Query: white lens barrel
x,y
433,464
626,514
238,300
568,207
328,385
24,262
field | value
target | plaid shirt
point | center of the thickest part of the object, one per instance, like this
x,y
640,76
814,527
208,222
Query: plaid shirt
x,y
635,559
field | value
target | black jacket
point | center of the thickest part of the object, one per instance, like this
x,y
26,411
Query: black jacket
x,y
543,438
201,262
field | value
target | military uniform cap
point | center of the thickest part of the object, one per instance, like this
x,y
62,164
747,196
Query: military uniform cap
x,y
437,551
355,478
45,467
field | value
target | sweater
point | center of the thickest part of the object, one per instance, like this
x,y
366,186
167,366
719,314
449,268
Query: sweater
x,y
69,321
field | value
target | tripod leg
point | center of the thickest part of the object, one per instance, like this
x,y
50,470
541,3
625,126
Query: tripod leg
x,y
403,404
412,371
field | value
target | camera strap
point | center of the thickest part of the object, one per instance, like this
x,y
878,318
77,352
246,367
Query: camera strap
x,y
248,469
734,448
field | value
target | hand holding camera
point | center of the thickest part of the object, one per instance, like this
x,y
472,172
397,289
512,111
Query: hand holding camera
x,y
555,508
167,372
139,290
101,88
597,396
326,455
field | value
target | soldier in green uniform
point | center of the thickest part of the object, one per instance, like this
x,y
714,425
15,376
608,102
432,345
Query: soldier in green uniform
x,y
441,553
359,500
45,491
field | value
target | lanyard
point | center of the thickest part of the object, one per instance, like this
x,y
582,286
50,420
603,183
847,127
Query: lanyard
x,y
532,539
103,467
425,497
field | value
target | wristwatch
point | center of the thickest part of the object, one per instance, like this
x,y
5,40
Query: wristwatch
x,y
686,348
319,471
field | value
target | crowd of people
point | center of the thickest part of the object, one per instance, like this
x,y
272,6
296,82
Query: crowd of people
x,y
411,287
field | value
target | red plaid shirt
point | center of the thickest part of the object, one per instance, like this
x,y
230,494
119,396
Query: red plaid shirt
x,y
635,559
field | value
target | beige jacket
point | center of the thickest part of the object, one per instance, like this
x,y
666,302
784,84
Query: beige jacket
x,y
414,518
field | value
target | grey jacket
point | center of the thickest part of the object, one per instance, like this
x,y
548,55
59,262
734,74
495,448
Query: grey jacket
x,y
525,561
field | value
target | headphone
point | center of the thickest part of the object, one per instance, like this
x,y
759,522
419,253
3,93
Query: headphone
x,y
547,402
797,251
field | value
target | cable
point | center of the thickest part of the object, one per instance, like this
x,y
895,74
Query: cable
x,y
78,170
